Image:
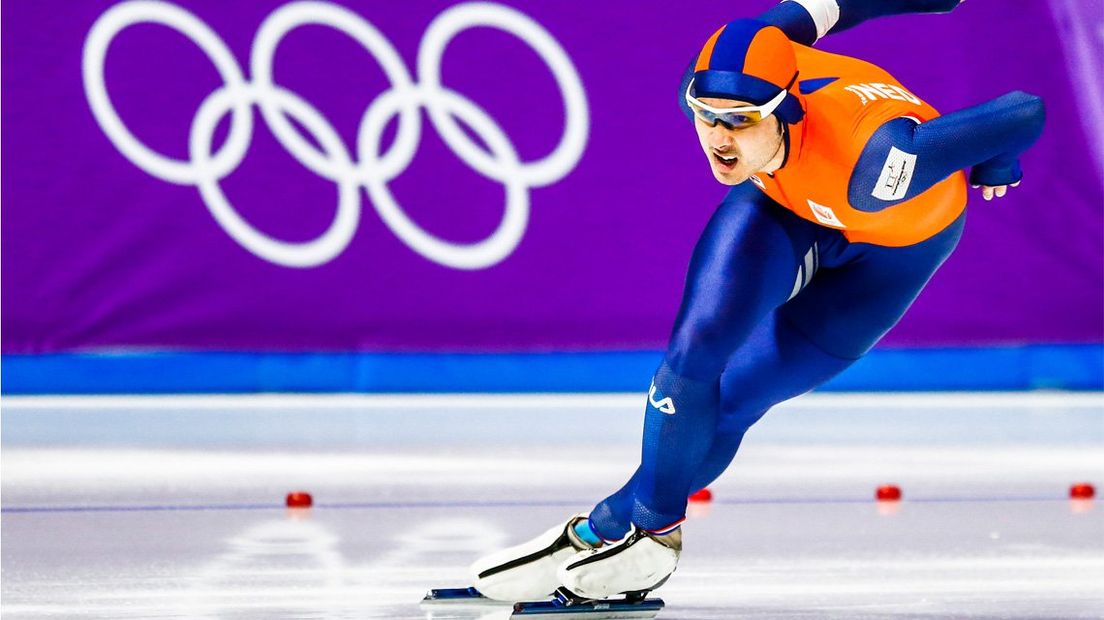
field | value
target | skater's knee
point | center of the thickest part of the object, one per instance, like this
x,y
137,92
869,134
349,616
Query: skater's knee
x,y
737,418
700,353
695,393
746,395
839,338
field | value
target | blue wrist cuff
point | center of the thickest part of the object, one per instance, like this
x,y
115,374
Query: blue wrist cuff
x,y
993,174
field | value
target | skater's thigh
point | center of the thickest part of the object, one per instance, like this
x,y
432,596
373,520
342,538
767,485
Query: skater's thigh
x,y
742,267
776,364
846,309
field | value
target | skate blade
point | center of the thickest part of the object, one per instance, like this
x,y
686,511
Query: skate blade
x,y
458,597
589,610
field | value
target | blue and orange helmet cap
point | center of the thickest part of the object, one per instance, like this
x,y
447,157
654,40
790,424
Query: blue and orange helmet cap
x,y
751,61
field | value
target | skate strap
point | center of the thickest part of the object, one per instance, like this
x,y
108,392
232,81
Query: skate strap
x,y
561,542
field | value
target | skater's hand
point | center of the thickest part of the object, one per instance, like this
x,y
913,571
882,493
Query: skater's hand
x,y
988,192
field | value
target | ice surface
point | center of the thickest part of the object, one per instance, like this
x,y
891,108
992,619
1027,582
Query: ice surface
x,y
173,507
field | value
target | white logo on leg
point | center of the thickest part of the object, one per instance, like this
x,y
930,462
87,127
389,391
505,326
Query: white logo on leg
x,y
664,405
369,168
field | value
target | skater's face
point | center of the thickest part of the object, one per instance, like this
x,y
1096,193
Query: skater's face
x,y
736,154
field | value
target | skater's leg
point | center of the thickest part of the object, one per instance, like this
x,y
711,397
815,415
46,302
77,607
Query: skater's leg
x,y
742,268
865,290
837,319
776,364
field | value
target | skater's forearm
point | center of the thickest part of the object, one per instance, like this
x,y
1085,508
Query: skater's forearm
x,y
806,21
914,157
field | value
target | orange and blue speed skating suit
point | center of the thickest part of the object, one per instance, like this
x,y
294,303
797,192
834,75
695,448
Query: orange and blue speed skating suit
x,y
799,273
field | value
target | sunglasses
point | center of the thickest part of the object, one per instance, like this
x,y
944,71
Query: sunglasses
x,y
733,118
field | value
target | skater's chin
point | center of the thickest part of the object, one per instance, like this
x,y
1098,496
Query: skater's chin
x,y
729,178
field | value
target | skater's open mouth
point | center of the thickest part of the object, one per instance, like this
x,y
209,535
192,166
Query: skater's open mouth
x,y
726,161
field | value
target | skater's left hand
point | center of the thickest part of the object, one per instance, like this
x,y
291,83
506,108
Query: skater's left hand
x,y
990,191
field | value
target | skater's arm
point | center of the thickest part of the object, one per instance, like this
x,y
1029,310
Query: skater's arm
x,y
807,21
903,159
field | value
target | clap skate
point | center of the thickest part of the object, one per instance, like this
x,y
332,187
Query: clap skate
x,y
640,562
563,605
525,574
567,604
528,571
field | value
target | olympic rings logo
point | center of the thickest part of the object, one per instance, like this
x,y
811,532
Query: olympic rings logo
x,y
331,159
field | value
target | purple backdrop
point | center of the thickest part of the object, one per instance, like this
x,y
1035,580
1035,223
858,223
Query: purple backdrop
x,y
102,252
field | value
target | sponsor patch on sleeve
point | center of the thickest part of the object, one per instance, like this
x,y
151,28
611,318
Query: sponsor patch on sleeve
x,y
896,176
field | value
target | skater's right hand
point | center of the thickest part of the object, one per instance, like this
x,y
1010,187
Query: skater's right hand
x,y
988,192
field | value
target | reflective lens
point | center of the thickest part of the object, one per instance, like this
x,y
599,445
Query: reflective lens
x,y
733,120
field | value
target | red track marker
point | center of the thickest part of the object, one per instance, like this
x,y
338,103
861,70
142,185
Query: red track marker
x,y
299,499
1082,490
704,495
888,493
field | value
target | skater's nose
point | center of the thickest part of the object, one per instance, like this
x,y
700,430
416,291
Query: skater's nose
x,y
721,139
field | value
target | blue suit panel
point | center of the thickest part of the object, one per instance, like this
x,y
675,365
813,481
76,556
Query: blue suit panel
x,y
774,306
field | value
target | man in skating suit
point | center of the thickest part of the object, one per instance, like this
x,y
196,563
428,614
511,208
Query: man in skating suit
x,y
849,191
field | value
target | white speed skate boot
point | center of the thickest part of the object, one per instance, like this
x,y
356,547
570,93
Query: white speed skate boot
x,y
528,571
634,565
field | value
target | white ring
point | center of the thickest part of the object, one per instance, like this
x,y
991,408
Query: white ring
x,y
327,155
297,14
458,256
127,14
441,31
307,254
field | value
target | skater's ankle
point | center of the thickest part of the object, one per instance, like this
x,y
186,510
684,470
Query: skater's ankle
x,y
586,533
670,537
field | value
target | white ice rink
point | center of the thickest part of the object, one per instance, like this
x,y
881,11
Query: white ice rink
x,y
173,507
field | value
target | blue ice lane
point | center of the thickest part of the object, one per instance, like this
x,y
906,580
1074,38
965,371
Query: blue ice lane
x,y
1054,366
